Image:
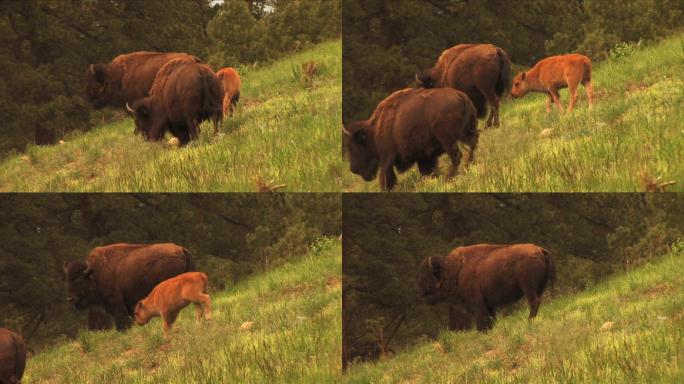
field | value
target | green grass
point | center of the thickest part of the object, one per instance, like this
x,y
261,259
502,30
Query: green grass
x,y
285,132
634,133
295,337
565,343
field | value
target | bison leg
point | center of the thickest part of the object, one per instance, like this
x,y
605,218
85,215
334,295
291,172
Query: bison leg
x,y
459,319
534,300
387,176
549,101
427,166
556,99
455,156
493,100
573,97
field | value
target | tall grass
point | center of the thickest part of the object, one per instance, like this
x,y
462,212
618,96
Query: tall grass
x,y
566,343
286,131
634,134
295,336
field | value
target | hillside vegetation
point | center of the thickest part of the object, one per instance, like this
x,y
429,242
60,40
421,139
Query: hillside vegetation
x,y
633,139
570,341
286,131
295,337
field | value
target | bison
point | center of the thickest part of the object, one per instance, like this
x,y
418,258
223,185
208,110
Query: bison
x,y
127,78
170,296
554,73
412,125
230,80
482,71
12,357
182,96
115,277
482,277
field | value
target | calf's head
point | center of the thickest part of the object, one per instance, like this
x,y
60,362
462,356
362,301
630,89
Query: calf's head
x,y
98,91
80,285
520,85
431,279
363,156
143,313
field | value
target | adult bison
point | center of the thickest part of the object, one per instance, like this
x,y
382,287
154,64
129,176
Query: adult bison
x,y
127,78
116,276
182,96
12,357
482,71
230,80
412,125
482,277
554,73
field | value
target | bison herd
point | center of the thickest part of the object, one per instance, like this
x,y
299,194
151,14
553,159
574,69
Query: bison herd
x,y
164,92
417,126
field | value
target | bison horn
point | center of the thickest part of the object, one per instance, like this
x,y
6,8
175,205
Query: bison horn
x,y
418,80
344,130
131,110
430,262
92,69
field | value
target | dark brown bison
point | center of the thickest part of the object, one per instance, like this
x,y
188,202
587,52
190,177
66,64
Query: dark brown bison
x,y
127,78
170,296
482,71
554,73
230,80
482,277
115,277
409,126
182,96
12,357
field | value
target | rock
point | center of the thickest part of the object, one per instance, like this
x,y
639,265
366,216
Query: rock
x,y
546,133
173,142
246,326
607,326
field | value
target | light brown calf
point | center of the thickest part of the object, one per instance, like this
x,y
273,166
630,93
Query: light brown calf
x,y
231,87
554,73
172,295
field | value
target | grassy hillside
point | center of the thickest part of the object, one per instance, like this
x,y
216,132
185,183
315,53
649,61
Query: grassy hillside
x,y
286,131
566,342
295,336
634,134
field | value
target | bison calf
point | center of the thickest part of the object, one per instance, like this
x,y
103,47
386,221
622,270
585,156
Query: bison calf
x,y
172,295
12,357
483,277
409,126
554,73
230,80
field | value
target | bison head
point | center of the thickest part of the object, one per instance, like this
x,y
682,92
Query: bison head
x,y
363,157
431,279
80,284
520,86
142,313
98,91
142,113
425,79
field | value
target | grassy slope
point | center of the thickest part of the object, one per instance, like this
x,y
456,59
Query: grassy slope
x,y
635,130
565,343
296,337
284,132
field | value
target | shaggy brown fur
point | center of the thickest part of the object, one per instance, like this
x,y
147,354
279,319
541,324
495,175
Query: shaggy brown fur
x,y
182,96
170,296
483,277
554,73
231,82
482,71
12,357
115,277
409,126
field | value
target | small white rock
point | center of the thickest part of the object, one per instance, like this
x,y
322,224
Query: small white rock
x,y
173,142
246,326
607,326
546,133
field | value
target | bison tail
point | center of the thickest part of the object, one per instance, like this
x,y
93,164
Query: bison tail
x,y
503,84
550,271
236,98
190,263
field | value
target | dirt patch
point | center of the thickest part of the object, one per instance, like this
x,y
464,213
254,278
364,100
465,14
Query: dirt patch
x,y
635,87
333,283
656,291
296,290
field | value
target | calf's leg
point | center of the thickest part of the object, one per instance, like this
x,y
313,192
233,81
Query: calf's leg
x,y
590,93
556,99
572,87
